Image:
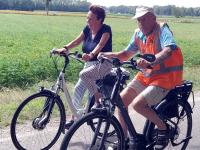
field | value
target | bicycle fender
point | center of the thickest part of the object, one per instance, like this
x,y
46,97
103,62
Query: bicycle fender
x,y
43,90
158,108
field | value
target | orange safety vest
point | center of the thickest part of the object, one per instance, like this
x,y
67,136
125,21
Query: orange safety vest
x,y
167,74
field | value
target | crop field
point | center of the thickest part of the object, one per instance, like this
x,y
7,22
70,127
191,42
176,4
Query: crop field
x,y
25,42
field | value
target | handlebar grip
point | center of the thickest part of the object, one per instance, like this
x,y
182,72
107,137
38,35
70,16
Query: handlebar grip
x,y
149,67
79,55
116,62
62,53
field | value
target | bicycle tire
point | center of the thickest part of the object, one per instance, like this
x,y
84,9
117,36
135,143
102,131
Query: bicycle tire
x,y
80,135
92,124
184,126
36,138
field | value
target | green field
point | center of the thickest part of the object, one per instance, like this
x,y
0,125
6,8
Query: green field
x,y
26,40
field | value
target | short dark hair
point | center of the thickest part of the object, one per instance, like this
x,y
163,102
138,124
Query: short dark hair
x,y
98,11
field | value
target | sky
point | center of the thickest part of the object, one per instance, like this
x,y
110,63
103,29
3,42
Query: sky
x,y
150,3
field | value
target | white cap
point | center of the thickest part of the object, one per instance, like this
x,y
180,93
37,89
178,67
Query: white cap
x,y
142,10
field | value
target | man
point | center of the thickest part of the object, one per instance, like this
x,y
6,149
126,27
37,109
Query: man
x,y
149,88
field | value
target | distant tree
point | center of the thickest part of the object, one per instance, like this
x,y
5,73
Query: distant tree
x,y
83,5
122,9
47,6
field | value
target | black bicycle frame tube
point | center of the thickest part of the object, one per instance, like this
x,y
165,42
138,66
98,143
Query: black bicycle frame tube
x,y
96,132
116,98
126,117
105,133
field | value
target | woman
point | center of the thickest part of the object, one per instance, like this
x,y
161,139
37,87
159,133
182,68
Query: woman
x,y
96,37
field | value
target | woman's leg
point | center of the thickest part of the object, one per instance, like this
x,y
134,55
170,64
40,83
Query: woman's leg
x,y
91,74
79,92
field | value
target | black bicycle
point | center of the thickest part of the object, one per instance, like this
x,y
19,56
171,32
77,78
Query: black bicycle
x,y
174,110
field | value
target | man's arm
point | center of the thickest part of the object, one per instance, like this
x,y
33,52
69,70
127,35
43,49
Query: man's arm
x,y
122,55
161,56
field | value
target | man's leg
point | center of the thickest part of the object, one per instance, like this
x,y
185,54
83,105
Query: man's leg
x,y
151,96
127,95
141,106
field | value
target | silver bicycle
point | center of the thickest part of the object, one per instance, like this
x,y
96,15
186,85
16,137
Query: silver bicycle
x,y
40,119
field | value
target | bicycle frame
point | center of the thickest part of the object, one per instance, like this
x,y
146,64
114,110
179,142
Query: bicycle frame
x,y
105,113
61,85
137,141
115,97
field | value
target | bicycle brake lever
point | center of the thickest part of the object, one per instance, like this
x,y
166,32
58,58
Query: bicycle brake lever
x,y
148,57
149,67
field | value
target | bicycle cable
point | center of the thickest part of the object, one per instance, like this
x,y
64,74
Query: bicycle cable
x,y
55,65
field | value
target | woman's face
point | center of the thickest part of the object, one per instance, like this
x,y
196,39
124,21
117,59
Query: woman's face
x,y
146,23
92,20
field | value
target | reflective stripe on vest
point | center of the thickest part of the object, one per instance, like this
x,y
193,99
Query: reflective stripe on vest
x,y
164,70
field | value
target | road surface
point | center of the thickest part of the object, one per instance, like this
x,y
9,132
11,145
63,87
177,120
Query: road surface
x,y
6,143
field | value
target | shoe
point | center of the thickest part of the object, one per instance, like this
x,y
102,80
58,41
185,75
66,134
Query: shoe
x,y
114,146
69,124
96,106
162,138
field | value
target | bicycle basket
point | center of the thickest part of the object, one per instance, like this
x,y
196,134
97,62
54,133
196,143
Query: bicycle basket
x,y
109,80
180,92
105,85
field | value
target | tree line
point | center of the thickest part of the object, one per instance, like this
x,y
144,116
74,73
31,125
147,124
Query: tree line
x,y
170,10
82,6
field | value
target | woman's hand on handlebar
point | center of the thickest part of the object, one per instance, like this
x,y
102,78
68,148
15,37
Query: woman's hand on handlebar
x,y
86,57
62,50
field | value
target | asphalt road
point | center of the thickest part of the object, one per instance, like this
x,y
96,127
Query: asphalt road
x,y
6,143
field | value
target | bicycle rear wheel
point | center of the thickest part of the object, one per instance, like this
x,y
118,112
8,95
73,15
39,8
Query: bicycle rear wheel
x,y
82,137
181,124
27,131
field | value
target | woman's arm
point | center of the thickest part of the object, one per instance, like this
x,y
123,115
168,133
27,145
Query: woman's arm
x,y
98,48
75,42
102,43
72,44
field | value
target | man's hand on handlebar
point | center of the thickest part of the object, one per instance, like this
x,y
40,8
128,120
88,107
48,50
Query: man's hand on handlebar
x,y
142,63
102,55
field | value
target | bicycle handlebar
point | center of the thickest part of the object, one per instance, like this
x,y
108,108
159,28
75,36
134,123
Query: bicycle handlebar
x,y
63,54
75,55
131,63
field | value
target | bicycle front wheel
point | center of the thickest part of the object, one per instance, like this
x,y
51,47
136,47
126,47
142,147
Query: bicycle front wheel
x,y
31,128
82,137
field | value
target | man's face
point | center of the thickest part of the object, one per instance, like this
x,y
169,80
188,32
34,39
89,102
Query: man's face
x,y
146,23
